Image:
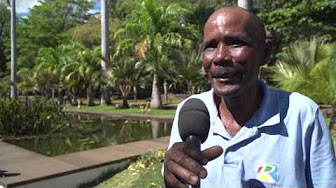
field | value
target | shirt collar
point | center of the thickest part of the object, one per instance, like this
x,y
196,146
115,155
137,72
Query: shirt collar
x,y
268,113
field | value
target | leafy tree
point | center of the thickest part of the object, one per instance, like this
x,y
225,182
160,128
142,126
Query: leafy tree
x,y
80,70
4,87
46,71
48,21
150,28
4,34
121,9
262,6
26,81
188,66
124,74
301,20
46,26
89,34
309,68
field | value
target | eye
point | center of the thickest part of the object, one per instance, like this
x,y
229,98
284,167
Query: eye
x,y
236,43
210,45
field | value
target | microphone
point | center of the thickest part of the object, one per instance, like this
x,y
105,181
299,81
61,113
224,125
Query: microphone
x,y
194,124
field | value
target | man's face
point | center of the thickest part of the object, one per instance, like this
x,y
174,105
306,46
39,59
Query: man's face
x,y
232,52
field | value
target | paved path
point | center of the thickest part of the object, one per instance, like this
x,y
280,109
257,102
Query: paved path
x,y
24,166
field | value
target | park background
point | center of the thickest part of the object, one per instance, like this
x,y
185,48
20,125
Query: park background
x,y
151,60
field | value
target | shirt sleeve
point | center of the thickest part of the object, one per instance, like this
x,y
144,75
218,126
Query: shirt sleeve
x,y
321,159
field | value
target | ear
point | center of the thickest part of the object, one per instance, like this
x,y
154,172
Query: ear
x,y
268,47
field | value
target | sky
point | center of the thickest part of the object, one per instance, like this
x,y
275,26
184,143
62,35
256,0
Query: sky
x,y
22,6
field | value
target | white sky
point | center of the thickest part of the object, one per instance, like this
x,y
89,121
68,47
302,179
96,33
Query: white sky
x,y
22,6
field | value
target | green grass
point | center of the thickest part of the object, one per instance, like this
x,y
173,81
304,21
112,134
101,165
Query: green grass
x,y
171,100
145,172
141,110
333,135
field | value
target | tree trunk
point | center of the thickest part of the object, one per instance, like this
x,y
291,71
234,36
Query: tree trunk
x,y
124,93
156,97
89,97
135,90
165,89
60,96
125,102
105,98
246,4
13,89
53,93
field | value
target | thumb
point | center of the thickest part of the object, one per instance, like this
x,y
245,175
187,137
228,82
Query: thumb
x,y
213,152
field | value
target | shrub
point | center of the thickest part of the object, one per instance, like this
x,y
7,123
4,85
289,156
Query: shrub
x,y
29,118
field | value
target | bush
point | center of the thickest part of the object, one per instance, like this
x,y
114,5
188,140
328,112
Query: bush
x,y
29,118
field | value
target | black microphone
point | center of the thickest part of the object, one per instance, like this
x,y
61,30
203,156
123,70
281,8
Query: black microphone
x,y
194,124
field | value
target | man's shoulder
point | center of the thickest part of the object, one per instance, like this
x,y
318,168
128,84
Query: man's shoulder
x,y
294,98
296,103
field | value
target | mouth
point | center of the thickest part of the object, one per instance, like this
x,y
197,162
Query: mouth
x,y
227,76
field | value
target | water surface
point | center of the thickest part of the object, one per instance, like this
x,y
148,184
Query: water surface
x,y
94,131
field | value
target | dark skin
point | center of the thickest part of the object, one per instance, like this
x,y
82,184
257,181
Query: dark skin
x,y
234,48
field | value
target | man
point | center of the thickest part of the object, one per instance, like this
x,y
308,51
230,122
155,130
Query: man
x,y
259,137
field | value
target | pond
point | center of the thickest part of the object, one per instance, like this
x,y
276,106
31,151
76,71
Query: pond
x,y
93,131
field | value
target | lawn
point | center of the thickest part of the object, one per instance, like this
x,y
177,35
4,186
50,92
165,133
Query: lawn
x,y
145,172
133,110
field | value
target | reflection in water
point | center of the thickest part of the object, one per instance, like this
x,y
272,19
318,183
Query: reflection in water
x,y
94,131
103,127
155,128
165,126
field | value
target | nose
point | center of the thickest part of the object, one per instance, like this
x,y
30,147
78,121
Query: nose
x,y
222,55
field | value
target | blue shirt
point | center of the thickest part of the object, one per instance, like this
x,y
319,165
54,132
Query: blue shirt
x,y
285,144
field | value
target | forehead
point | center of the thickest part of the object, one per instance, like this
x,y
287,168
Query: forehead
x,y
230,22
226,19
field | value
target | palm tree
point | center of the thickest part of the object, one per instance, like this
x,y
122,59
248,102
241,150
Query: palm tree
x,y
46,70
188,66
150,28
309,67
121,76
26,81
80,70
13,93
105,95
4,87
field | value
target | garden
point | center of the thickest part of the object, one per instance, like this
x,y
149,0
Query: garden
x,y
152,61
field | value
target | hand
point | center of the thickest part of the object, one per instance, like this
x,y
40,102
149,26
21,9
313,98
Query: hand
x,y
184,164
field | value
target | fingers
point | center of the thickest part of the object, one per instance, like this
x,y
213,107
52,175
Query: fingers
x,y
212,152
196,155
191,159
179,174
184,164
170,180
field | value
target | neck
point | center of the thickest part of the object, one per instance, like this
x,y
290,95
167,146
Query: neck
x,y
236,111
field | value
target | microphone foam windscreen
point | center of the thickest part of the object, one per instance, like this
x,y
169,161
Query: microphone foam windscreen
x,y
194,120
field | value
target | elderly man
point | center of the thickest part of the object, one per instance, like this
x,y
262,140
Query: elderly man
x,y
259,137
